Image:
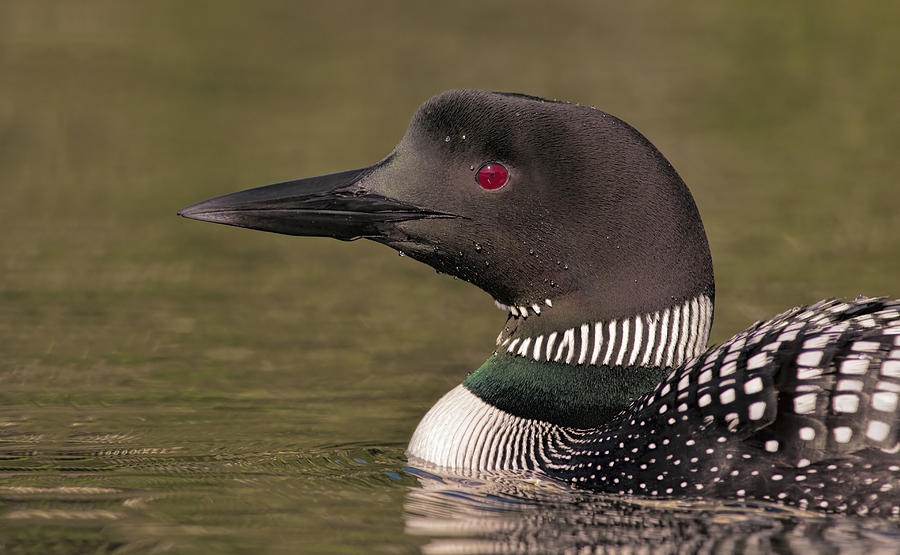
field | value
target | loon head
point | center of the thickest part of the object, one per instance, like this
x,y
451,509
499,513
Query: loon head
x,y
539,203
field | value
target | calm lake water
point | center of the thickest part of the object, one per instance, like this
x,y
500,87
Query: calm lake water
x,y
170,386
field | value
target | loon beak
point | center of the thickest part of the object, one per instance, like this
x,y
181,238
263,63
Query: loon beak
x,y
336,205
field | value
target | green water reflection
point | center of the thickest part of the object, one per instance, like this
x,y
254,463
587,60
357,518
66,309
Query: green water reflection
x,y
167,385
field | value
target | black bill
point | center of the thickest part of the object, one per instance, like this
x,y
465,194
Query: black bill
x,y
336,205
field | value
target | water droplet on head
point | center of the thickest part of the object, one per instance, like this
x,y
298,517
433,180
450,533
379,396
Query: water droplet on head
x,y
401,253
447,139
464,137
552,284
531,252
472,168
565,266
477,247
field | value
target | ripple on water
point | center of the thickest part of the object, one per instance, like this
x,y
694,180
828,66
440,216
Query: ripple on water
x,y
170,497
115,490
508,513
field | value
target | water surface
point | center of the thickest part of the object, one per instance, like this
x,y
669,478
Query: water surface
x,y
167,385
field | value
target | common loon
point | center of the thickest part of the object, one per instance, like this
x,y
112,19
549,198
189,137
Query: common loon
x,y
585,234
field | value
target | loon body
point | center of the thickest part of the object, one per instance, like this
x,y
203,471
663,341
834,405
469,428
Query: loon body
x,y
578,227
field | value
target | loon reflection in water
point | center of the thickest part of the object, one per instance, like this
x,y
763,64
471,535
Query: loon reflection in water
x,y
522,513
578,227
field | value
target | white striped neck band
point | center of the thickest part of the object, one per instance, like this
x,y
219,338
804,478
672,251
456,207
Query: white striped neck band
x,y
523,310
664,338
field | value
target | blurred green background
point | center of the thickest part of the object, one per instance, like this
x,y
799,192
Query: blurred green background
x,y
123,326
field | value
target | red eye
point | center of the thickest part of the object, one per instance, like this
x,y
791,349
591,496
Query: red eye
x,y
492,176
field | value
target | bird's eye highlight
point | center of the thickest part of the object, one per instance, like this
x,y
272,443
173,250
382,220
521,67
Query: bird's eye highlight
x,y
492,176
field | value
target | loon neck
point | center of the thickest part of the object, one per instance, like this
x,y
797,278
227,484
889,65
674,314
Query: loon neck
x,y
582,373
